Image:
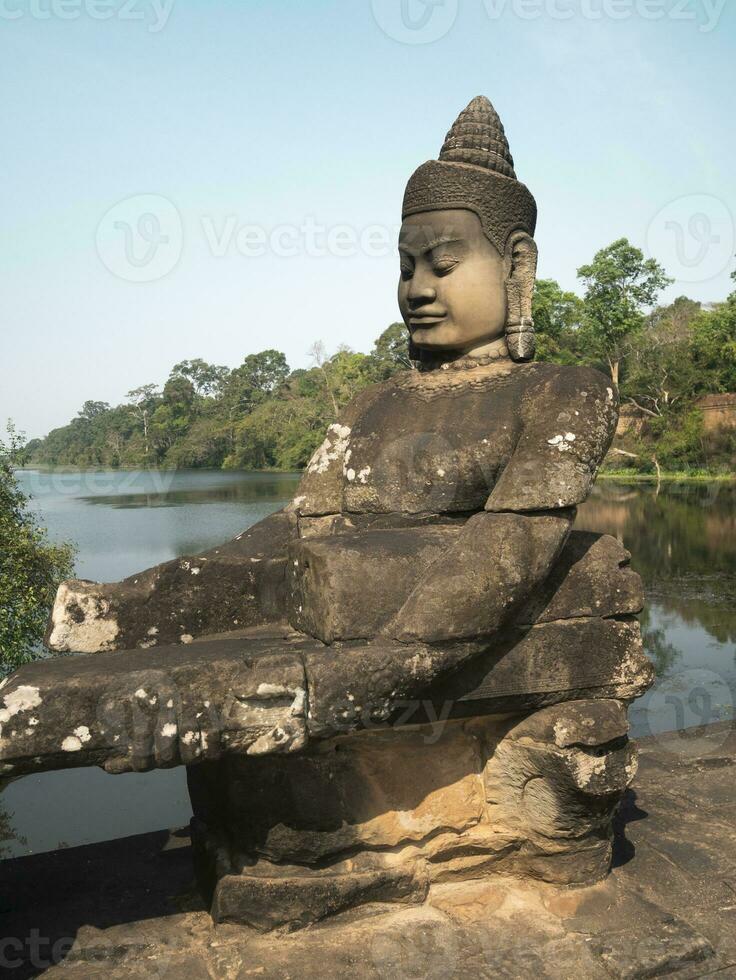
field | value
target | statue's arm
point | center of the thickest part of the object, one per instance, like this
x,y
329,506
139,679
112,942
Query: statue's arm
x,y
232,586
236,585
503,554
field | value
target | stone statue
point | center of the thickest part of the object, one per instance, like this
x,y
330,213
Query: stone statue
x,y
415,671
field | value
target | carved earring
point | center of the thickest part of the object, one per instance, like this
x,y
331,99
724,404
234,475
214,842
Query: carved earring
x,y
520,339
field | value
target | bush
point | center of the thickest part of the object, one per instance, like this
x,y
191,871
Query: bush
x,y
31,567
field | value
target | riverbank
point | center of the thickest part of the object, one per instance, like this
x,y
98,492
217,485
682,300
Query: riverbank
x,y
626,476
128,907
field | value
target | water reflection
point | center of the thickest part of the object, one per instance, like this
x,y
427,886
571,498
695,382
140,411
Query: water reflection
x,y
683,544
236,491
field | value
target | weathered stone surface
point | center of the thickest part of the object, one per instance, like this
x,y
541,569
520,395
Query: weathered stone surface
x,y
376,790
264,693
559,776
446,802
147,709
495,564
592,577
269,903
584,658
238,584
346,587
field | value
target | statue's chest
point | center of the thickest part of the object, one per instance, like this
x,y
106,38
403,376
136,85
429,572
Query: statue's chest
x,y
416,454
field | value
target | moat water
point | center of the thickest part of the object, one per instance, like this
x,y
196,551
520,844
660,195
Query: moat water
x,y
682,540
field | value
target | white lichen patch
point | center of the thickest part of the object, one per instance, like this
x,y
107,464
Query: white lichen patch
x,y
71,743
169,730
588,767
23,698
153,631
141,693
195,571
189,738
333,448
81,619
273,691
563,442
350,474
170,703
440,472
299,703
83,734
186,638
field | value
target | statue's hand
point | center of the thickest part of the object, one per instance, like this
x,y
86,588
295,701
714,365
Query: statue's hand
x,y
154,730
159,719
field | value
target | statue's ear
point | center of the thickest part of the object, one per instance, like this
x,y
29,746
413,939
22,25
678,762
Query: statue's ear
x,y
521,274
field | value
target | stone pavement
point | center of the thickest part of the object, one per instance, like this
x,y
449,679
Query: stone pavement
x,y
127,909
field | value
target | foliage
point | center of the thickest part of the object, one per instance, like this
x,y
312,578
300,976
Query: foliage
x,y
557,317
619,284
262,415
31,567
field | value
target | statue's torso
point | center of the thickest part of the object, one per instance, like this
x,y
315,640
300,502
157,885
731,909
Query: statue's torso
x,y
439,443
420,448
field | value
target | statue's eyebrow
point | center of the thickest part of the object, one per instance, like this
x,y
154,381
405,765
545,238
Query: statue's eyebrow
x,y
431,245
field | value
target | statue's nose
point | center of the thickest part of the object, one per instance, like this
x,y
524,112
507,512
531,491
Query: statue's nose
x,y
420,294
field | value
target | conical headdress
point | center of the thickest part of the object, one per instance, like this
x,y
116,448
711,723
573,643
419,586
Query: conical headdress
x,y
475,171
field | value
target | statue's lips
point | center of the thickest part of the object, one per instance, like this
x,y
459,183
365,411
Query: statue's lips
x,y
426,319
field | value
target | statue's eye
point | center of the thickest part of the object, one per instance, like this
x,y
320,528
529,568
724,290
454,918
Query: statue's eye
x,y
406,271
444,265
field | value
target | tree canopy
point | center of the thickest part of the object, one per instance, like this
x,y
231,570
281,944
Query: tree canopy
x,y
31,567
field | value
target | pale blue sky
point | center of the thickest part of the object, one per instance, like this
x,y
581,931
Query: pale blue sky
x,y
272,113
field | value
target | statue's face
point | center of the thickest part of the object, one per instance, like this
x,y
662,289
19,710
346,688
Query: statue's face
x,y
452,292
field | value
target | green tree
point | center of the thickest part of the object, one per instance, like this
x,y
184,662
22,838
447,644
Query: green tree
x,y
92,410
557,316
208,379
619,284
31,567
660,375
713,347
390,352
142,403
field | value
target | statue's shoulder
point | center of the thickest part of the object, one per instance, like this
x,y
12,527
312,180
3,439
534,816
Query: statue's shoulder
x,y
565,381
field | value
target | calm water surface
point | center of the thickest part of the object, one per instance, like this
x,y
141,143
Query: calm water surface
x,y
683,543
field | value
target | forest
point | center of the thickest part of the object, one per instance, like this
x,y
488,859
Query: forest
x,y
262,414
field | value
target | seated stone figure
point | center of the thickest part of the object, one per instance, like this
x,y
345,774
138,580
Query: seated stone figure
x,y
427,559
477,441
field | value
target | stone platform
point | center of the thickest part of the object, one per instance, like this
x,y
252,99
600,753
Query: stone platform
x,y
127,908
